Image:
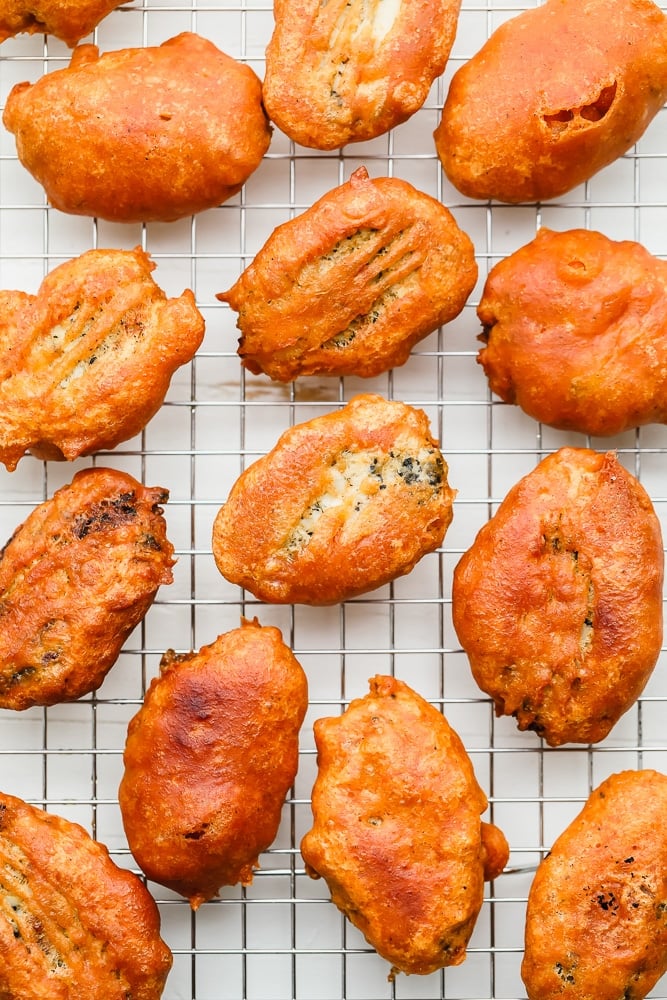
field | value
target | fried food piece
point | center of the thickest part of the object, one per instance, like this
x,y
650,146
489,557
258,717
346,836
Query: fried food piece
x,y
344,71
396,829
75,578
350,286
341,505
69,20
558,602
141,134
575,332
86,363
209,759
596,923
73,926
555,94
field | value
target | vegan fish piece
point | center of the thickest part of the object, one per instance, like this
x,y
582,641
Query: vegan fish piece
x,y
141,134
396,832
86,363
75,578
575,332
351,285
556,93
558,601
73,926
342,504
596,921
70,20
345,71
209,759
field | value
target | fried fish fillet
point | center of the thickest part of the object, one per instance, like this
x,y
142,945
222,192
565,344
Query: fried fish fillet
x,y
141,134
396,829
575,332
596,922
86,363
75,578
351,285
558,602
70,20
73,926
556,93
340,71
209,759
342,504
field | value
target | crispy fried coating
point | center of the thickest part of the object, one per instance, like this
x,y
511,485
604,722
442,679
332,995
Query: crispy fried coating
x,y
351,285
575,332
596,923
396,829
73,926
344,71
555,94
141,134
558,602
70,20
87,362
342,504
75,578
209,759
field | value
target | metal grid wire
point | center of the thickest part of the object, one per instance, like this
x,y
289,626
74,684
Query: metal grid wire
x,y
281,937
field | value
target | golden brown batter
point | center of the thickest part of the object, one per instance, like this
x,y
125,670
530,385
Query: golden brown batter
x,y
396,829
351,285
342,504
555,94
87,362
209,759
141,134
73,926
70,20
340,71
575,332
558,602
75,578
596,923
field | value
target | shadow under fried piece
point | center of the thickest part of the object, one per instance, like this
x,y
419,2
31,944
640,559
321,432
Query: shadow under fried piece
x,y
351,285
209,759
397,833
73,926
69,20
341,505
87,362
141,134
75,578
558,602
596,922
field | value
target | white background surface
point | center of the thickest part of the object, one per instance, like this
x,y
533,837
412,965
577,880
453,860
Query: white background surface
x,y
282,938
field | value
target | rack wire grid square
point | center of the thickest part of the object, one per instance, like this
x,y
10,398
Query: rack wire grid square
x,y
282,937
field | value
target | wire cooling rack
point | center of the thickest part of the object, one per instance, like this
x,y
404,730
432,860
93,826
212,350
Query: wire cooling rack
x,y
281,937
